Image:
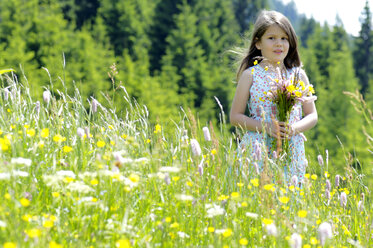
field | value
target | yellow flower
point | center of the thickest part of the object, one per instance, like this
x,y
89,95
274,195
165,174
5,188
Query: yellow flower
x,y
25,202
33,233
134,178
269,187
227,232
313,241
168,219
67,149
210,229
53,244
30,132
26,217
314,177
55,194
7,196
240,185
189,183
255,182
266,68
158,128
311,89
255,62
223,197
243,241
298,94
174,225
290,88
244,204
48,224
302,213
94,181
175,179
58,138
123,243
148,141
101,143
235,195
9,245
306,246
68,179
213,151
284,199
267,221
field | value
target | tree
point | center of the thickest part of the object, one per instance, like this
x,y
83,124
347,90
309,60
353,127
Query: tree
x,y
246,12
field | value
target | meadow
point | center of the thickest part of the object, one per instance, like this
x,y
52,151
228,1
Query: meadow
x,y
77,177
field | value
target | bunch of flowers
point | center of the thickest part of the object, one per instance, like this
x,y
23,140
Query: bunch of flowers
x,y
285,93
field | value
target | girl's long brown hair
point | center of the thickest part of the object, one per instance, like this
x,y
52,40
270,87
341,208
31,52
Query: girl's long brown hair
x,y
263,22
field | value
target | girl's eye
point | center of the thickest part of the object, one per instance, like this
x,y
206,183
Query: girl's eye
x,y
284,38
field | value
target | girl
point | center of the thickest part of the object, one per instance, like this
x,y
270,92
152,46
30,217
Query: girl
x,y
273,44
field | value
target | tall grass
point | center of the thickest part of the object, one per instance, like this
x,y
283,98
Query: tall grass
x,y
123,182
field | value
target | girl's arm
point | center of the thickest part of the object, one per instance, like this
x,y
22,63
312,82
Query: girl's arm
x,y
310,113
237,113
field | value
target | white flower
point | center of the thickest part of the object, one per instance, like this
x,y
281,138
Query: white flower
x,y
214,210
206,133
169,169
196,149
325,232
4,176
2,224
94,104
343,199
80,187
295,241
80,132
21,161
65,173
252,215
18,173
46,96
183,197
183,235
271,229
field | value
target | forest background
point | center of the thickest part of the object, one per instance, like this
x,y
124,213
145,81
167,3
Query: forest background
x,y
174,57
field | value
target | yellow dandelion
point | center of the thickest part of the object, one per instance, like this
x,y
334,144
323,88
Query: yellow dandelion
x,y
7,196
240,185
211,229
9,245
267,221
168,219
313,241
30,132
314,177
302,213
244,241
53,244
255,182
269,187
27,217
307,175
41,144
306,246
26,126
189,183
25,202
58,138
55,194
94,182
213,151
100,143
33,233
68,179
48,224
235,195
174,225
134,178
227,232
284,199
244,204
148,141
123,243
67,149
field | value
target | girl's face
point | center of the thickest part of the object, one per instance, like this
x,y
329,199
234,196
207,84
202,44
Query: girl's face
x,y
274,44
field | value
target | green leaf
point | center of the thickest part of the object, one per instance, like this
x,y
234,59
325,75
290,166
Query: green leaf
x,y
5,71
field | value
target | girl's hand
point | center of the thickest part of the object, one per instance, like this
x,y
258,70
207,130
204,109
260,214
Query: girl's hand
x,y
276,129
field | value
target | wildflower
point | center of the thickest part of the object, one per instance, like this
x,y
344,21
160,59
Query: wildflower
x,y
320,159
327,157
174,225
196,149
294,180
227,233
274,155
284,199
271,229
269,187
46,96
360,206
100,143
55,194
21,161
134,178
158,128
37,108
9,245
48,224
167,179
337,178
25,202
327,194
325,232
94,182
58,138
302,213
206,133
343,199
257,151
30,132
94,104
6,94
53,244
33,233
314,177
67,149
214,210
295,241
235,195
256,167
80,132
255,182
44,133
123,243
244,241
267,221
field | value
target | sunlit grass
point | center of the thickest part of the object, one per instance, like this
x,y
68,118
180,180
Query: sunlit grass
x,y
73,177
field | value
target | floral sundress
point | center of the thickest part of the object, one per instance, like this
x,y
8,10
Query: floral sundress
x,y
259,102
